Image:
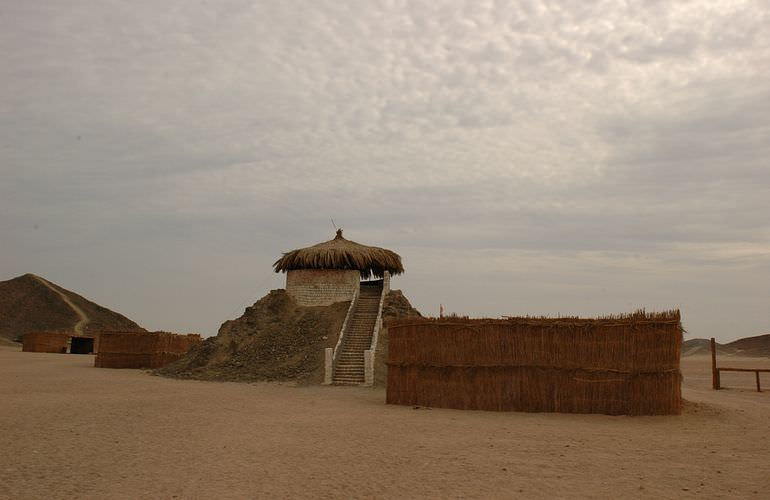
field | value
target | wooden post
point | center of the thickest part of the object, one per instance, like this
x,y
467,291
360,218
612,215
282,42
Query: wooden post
x,y
758,389
714,371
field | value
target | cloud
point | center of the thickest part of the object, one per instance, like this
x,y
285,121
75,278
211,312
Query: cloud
x,y
621,139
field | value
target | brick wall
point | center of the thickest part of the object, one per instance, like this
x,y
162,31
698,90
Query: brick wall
x,y
322,287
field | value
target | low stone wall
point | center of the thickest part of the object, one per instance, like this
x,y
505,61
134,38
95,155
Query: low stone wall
x,y
322,287
142,350
45,342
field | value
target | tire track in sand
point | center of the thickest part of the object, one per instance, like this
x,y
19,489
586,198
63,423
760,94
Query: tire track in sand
x,y
84,320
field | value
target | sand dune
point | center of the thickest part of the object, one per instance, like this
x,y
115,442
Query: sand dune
x,y
71,430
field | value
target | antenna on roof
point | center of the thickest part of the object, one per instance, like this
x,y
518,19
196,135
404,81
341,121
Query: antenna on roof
x,y
333,224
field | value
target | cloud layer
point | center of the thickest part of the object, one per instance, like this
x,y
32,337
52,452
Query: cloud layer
x,y
530,157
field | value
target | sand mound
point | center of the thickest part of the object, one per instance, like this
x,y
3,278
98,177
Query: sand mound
x,y
27,304
274,340
396,306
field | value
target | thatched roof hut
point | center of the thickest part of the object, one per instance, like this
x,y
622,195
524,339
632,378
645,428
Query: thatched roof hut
x,y
341,253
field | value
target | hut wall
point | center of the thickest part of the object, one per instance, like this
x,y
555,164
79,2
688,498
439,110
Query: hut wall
x,y
322,287
142,349
45,342
617,366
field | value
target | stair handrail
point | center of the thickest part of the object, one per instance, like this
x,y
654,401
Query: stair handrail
x,y
378,323
369,356
353,302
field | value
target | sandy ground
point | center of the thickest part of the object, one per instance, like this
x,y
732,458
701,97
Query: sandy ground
x,y
69,430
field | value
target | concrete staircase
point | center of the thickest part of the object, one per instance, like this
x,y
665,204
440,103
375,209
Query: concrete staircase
x,y
349,364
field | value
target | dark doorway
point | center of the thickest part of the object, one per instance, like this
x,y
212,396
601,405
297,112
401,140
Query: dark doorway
x,y
82,345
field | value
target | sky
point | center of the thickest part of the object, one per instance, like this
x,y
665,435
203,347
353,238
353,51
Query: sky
x,y
531,157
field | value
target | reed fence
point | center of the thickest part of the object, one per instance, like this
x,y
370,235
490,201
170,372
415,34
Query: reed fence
x,y
142,349
616,365
55,342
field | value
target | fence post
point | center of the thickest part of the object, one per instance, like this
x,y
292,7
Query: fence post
x,y
714,370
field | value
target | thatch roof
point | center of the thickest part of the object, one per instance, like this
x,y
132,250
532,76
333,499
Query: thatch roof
x,y
340,253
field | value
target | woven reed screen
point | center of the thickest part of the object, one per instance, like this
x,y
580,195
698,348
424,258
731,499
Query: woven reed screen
x,y
624,365
45,342
142,350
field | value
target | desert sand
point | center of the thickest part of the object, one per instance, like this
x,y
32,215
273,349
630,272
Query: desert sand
x,y
69,430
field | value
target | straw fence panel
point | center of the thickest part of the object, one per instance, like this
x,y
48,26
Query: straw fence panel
x,y
55,342
142,350
624,365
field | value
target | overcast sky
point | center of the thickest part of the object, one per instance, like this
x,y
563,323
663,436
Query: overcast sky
x,y
526,157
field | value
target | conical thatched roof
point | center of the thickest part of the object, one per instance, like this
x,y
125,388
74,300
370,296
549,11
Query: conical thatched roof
x,y
340,253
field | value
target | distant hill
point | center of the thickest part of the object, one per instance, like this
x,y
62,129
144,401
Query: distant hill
x,y
749,346
30,303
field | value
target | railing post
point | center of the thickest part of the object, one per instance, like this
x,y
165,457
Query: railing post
x,y
328,365
368,368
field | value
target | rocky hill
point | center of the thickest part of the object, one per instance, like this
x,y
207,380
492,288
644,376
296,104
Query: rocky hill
x,y
758,346
275,339
30,303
